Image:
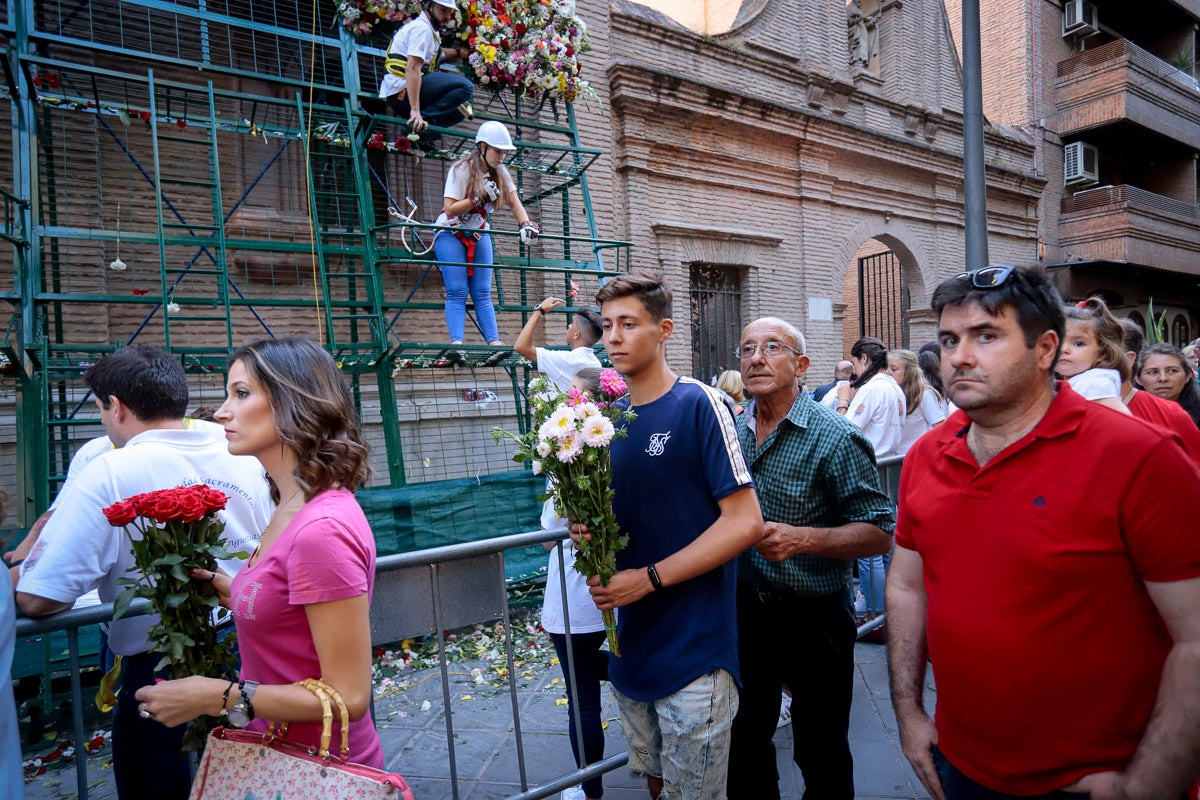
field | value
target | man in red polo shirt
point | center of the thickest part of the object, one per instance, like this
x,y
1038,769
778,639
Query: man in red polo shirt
x,y
1047,564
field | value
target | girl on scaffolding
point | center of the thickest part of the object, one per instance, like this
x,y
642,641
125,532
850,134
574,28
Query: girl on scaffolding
x,y
476,186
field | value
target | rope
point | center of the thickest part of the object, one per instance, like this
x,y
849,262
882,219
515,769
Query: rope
x,y
312,200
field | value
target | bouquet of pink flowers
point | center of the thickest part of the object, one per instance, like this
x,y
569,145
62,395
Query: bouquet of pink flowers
x,y
170,531
570,443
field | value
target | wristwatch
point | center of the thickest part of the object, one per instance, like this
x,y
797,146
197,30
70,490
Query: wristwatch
x,y
243,711
538,307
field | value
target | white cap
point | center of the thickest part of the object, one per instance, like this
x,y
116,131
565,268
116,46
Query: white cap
x,y
450,4
495,134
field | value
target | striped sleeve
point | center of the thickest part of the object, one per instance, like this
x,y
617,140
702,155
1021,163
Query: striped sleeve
x,y
728,432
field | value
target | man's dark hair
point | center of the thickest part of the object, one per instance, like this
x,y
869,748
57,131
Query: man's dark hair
x,y
644,284
876,352
146,378
590,326
1135,337
1035,302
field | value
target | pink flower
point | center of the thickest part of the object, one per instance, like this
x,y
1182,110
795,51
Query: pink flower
x,y
612,384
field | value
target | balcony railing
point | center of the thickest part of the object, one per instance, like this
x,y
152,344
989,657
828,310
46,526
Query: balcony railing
x,y
1124,49
1129,197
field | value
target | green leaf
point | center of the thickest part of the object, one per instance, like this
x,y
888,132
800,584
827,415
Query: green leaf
x,y
167,560
176,600
179,573
121,604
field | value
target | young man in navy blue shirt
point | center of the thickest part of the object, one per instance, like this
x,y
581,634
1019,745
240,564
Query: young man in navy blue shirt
x,y
683,494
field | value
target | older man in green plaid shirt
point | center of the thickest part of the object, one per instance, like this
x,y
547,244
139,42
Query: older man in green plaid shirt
x,y
823,507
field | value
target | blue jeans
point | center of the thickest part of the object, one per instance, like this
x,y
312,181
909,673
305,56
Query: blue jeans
x,y
959,787
872,575
441,95
447,248
147,761
591,667
806,643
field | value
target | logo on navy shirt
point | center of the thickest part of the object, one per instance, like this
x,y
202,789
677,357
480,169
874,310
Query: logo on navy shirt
x,y
658,443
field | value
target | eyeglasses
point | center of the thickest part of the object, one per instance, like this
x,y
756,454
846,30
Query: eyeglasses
x,y
988,277
769,349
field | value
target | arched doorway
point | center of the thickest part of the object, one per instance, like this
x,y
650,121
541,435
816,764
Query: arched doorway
x,y
876,295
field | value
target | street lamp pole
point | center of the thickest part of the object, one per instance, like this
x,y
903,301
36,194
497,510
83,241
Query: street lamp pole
x,y
974,182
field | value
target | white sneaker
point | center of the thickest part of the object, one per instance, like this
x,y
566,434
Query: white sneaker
x,y
785,711
860,604
574,793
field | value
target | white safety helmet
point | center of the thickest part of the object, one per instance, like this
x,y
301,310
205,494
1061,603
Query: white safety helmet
x,y
495,134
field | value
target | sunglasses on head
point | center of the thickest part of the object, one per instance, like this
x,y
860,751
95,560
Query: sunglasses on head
x,y
988,277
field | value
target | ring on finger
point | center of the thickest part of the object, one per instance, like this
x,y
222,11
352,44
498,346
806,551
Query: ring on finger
x,y
144,712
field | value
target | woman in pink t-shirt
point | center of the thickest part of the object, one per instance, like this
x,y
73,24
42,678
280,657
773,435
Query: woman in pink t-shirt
x,y
301,602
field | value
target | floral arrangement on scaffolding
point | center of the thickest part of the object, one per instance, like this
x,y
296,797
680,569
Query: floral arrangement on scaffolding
x,y
529,46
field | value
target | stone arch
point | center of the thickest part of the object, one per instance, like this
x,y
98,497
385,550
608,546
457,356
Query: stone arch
x,y
916,319
901,239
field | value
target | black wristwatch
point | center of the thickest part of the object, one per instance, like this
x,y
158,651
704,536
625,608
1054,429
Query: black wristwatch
x,y
243,711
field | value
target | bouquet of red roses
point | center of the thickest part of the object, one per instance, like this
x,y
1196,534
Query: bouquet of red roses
x,y
172,531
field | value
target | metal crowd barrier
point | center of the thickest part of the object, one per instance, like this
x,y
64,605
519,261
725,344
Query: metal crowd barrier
x,y
423,593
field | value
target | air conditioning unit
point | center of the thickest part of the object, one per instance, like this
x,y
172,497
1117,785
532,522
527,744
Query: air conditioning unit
x,y
1079,19
1081,164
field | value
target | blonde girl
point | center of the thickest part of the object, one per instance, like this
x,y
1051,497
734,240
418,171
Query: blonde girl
x,y
1092,358
923,405
476,186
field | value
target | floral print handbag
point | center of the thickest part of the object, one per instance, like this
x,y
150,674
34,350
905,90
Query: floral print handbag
x,y
240,764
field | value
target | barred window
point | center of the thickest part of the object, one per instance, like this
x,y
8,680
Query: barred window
x,y
716,305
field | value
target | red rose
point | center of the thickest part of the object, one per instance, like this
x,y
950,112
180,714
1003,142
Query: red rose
x,y
181,122
402,144
165,506
142,503
214,500
120,514
145,116
520,28
191,506
52,80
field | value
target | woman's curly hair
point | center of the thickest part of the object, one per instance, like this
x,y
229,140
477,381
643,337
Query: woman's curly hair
x,y
314,413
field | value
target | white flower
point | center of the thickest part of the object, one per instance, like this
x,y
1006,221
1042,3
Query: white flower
x,y
172,308
586,409
544,448
597,431
537,466
562,421
569,446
